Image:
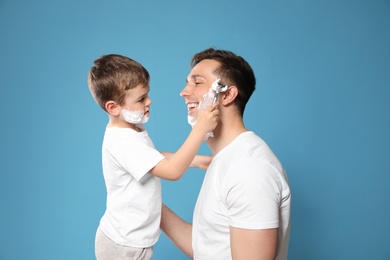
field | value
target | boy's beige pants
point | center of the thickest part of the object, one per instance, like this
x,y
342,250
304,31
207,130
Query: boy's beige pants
x,y
106,249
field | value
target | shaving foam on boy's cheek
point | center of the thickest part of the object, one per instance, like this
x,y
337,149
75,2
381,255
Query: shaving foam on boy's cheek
x,y
135,116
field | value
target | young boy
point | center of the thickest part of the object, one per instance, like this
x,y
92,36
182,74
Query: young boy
x,y
132,167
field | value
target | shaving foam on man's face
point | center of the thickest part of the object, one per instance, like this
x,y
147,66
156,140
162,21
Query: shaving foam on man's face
x,y
206,102
135,117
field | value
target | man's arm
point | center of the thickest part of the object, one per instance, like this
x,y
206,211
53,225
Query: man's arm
x,y
177,230
201,161
249,244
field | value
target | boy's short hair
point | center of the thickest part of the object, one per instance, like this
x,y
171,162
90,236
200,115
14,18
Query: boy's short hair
x,y
233,71
111,75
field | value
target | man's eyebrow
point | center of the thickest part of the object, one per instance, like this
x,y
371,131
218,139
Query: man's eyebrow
x,y
195,76
198,76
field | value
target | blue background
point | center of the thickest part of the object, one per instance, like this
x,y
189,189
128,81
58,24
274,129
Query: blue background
x,y
322,104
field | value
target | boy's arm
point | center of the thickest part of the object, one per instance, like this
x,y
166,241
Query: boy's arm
x,y
173,168
167,155
200,161
177,230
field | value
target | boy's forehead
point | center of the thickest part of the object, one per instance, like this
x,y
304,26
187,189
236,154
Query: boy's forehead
x,y
143,87
139,89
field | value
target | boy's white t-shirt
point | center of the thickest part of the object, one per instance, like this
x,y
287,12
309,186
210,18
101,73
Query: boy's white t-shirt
x,y
246,187
133,207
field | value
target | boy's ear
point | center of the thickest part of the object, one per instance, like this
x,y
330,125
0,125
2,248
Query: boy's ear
x,y
230,94
112,108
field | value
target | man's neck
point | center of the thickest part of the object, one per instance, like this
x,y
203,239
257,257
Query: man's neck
x,y
224,134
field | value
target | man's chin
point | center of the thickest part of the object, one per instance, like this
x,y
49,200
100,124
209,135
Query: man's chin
x,y
191,120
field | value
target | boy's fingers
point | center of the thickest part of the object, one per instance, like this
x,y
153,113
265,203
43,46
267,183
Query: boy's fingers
x,y
214,106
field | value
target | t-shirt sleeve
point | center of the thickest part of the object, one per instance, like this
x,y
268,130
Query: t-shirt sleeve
x,y
137,157
252,195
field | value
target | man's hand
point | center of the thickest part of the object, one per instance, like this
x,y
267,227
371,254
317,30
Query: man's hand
x,y
201,161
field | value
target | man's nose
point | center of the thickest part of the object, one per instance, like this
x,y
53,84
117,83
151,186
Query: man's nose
x,y
186,91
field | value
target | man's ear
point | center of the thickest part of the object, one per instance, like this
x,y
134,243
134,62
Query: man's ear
x,y
112,108
230,94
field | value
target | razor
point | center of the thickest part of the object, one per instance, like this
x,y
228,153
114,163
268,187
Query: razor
x,y
218,87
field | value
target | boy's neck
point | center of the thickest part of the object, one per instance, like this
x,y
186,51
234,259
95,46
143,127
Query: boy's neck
x,y
122,124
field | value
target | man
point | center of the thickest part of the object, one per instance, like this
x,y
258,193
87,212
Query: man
x,y
243,208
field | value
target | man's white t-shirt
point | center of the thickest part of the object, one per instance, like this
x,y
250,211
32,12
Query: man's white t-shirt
x,y
133,207
246,187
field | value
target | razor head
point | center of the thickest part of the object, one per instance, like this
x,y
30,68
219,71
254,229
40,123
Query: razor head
x,y
218,87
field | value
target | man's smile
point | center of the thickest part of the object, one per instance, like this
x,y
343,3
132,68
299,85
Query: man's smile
x,y
192,106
